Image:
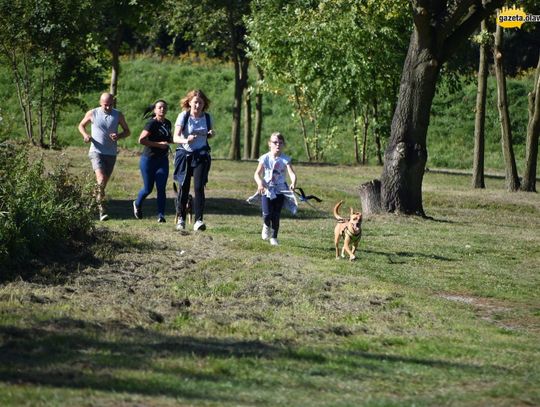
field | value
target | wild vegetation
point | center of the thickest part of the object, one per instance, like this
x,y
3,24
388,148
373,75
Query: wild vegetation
x,y
433,312
43,210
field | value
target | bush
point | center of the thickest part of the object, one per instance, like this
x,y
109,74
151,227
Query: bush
x,y
40,210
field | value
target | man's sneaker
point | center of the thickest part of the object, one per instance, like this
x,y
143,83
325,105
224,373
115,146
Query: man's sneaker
x,y
103,217
266,232
161,219
199,225
273,241
181,224
137,212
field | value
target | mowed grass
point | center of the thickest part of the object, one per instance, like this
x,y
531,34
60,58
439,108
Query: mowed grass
x,y
434,312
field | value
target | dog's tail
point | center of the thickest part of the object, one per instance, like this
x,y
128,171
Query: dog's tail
x,y
336,212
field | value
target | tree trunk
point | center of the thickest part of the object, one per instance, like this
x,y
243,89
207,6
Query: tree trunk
x,y
52,132
512,179
22,104
406,155
114,48
40,108
241,64
303,124
27,92
240,80
438,32
364,138
115,71
54,114
355,136
370,197
377,132
480,116
234,151
533,133
316,143
248,132
255,146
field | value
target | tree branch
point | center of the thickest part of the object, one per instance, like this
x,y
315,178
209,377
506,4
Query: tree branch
x,y
421,14
456,15
471,22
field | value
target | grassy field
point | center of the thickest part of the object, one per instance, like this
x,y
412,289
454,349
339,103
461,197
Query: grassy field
x,y
442,312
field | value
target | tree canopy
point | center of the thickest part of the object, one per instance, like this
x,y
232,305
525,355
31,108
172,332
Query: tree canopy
x,y
48,48
330,57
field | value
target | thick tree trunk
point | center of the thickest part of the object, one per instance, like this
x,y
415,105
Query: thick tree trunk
x,y
533,133
480,116
406,155
512,179
439,29
370,197
255,147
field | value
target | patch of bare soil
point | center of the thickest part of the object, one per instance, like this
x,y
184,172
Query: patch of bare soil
x,y
496,312
126,281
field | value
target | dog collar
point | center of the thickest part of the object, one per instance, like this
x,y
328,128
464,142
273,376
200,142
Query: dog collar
x,y
352,236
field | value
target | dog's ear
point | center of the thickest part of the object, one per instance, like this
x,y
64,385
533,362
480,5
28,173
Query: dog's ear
x,y
352,212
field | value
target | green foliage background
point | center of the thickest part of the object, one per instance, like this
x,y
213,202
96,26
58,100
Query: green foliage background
x,y
143,80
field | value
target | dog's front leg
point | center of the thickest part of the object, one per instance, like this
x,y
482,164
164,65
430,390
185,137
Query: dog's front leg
x,y
347,248
336,241
355,246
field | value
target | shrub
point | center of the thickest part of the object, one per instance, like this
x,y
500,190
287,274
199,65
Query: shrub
x,y
40,210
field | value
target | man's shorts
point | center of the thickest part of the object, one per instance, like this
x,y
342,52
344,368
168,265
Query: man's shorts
x,y
102,162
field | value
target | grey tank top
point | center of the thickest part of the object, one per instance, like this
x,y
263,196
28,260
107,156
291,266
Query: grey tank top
x,y
104,124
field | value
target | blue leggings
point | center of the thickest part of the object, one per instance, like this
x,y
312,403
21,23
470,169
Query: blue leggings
x,y
271,212
154,170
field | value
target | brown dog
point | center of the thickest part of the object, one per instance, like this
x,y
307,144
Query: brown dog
x,y
348,229
189,208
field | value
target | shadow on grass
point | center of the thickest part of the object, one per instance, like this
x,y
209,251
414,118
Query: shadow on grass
x,y
399,257
72,353
51,266
393,258
58,262
123,209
